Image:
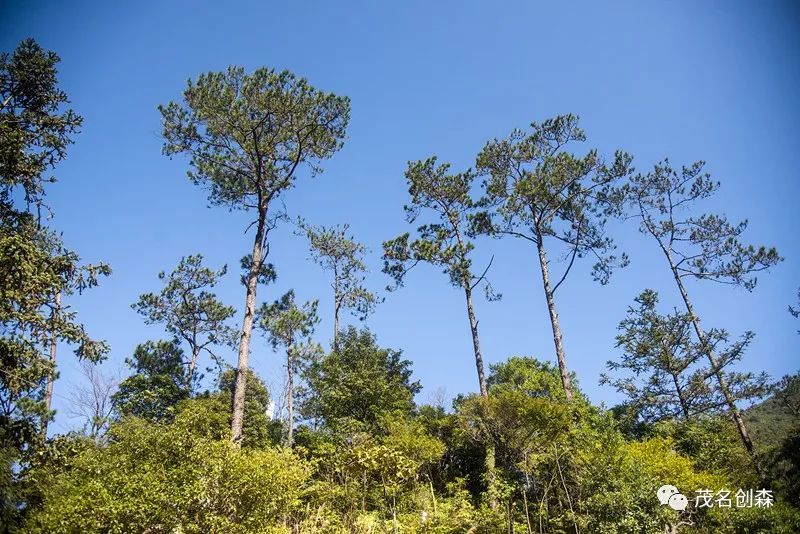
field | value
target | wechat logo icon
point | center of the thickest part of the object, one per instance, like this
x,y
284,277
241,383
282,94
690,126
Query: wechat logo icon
x,y
670,496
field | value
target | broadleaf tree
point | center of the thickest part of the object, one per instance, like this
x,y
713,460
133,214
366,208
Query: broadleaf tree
x,y
247,137
358,382
539,192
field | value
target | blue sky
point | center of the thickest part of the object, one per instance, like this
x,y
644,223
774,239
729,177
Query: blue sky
x,y
689,80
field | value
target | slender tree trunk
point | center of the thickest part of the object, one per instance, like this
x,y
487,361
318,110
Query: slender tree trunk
x,y
247,329
484,389
433,495
48,392
525,496
679,391
736,415
289,398
551,307
476,344
337,306
187,385
394,514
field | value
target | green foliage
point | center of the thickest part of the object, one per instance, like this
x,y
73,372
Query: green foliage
x,y
526,455
343,257
164,478
704,247
775,424
35,129
539,190
157,385
285,323
532,377
357,382
36,271
663,377
446,201
265,273
189,311
774,418
246,134
712,445
445,242
386,470
288,325
258,430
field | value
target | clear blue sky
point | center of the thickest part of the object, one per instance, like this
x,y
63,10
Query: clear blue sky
x,y
690,80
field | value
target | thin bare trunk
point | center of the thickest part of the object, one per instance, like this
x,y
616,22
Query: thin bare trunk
x,y
48,392
476,344
336,308
247,330
187,384
484,389
289,398
551,307
679,391
525,496
433,495
394,514
736,415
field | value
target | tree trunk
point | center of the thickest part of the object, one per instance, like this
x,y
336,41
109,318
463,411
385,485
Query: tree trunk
x,y
337,306
736,415
48,392
484,389
289,398
476,344
187,385
551,307
679,391
237,418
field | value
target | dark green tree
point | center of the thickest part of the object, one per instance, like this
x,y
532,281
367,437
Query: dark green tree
x,y
661,365
705,248
189,311
247,136
157,385
343,256
36,270
357,382
35,128
290,326
532,377
538,191
523,418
